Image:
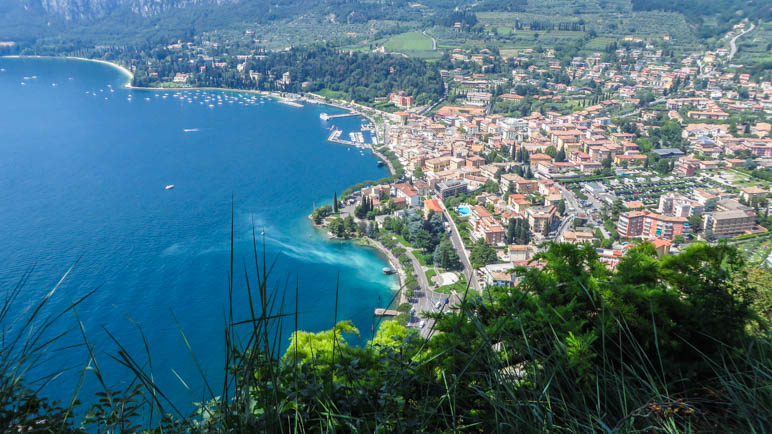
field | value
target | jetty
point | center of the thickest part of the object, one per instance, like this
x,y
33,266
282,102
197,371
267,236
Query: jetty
x,y
326,117
290,103
385,312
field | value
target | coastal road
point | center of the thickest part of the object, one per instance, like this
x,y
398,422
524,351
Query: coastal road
x,y
458,243
426,300
733,41
419,271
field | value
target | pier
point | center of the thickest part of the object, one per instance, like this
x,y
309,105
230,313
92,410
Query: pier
x,y
290,103
326,117
385,312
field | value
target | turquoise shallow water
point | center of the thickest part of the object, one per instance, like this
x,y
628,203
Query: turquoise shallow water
x,y
82,175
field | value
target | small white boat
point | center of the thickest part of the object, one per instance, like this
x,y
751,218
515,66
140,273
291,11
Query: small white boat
x,y
169,187
190,130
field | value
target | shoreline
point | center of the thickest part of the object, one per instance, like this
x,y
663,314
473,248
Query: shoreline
x,y
122,69
382,252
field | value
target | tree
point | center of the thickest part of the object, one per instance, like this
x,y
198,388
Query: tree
x,y
606,163
710,204
423,240
512,231
524,233
335,202
337,227
418,173
561,207
663,166
482,254
551,151
695,223
749,164
445,256
561,155
320,213
490,187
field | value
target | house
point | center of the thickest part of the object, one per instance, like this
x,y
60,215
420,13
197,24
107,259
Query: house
x,y
432,205
576,237
609,257
518,203
519,252
422,187
686,166
407,191
498,275
749,193
181,77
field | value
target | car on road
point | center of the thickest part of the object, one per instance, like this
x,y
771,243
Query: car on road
x,y
438,305
422,324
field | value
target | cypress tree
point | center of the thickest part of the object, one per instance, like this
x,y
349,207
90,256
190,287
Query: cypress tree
x,y
335,202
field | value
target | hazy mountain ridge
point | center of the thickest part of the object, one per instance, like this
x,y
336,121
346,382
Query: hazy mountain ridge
x,y
89,10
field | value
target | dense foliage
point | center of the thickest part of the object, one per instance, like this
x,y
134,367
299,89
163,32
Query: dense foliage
x,y
675,344
352,75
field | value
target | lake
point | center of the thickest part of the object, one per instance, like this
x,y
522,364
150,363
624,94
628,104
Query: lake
x,y
84,166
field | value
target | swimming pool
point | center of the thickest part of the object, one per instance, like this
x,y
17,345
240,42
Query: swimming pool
x,y
463,210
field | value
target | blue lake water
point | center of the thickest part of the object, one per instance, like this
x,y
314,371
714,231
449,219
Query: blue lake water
x,y
82,175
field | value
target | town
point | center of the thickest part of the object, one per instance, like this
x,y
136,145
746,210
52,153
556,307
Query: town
x,y
637,141
654,155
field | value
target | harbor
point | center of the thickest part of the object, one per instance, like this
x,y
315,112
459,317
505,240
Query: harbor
x,y
355,138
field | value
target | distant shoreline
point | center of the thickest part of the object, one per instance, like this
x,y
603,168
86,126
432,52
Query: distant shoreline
x,y
125,71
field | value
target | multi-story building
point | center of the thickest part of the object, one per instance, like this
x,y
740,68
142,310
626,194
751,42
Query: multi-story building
x,y
678,205
650,225
450,188
400,99
728,223
540,218
729,219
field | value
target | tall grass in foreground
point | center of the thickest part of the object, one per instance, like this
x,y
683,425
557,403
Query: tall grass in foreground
x,y
475,375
